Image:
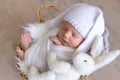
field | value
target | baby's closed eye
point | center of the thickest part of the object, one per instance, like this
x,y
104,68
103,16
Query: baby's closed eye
x,y
74,34
65,29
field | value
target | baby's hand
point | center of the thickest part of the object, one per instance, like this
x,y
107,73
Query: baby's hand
x,y
55,40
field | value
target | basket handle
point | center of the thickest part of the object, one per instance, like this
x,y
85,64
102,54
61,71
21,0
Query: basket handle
x,y
41,8
85,77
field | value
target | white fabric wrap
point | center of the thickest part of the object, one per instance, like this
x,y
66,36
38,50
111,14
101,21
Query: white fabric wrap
x,y
37,54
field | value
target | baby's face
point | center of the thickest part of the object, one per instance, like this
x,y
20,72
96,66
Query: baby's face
x,y
68,36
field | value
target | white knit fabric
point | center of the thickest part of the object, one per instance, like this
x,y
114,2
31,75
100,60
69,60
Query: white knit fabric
x,y
82,18
87,20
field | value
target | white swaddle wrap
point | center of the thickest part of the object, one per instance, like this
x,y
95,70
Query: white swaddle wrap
x,y
62,52
36,55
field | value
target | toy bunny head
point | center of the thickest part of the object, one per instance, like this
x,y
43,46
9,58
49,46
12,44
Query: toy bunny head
x,y
83,62
86,64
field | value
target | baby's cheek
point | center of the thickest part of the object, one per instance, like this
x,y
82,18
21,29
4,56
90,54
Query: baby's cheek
x,y
76,43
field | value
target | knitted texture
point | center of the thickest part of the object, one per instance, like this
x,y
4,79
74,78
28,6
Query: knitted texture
x,y
88,21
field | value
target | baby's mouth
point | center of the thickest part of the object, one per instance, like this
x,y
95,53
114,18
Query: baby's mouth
x,y
64,42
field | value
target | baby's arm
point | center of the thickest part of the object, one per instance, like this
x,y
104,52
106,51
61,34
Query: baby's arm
x,y
55,40
20,53
24,45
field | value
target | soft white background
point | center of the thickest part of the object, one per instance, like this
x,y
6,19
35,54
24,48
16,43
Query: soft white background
x,y
15,13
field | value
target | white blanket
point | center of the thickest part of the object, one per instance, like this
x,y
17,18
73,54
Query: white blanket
x,y
36,55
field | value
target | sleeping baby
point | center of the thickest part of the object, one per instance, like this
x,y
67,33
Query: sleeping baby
x,y
73,30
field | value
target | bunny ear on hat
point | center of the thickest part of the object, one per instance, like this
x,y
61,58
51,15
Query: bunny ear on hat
x,y
96,30
96,26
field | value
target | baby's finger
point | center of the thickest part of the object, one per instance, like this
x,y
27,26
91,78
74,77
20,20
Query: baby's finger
x,y
55,40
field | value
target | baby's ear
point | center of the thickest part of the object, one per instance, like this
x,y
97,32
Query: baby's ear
x,y
106,58
97,47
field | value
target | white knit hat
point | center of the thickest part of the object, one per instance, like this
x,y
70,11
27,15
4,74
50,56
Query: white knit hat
x,y
88,21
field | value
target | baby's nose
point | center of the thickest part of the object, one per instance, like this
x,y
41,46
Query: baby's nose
x,y
67,35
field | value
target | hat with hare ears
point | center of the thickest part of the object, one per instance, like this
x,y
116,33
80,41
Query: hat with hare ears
x,y
88,20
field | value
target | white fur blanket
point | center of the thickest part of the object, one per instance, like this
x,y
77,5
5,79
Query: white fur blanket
x,y
37,54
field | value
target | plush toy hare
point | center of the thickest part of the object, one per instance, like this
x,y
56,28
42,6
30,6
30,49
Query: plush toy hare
x,y
83,64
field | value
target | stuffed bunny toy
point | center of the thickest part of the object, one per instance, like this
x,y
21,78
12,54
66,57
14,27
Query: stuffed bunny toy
x,y
83,64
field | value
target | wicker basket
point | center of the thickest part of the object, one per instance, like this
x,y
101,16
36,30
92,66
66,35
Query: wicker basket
x,y
40,20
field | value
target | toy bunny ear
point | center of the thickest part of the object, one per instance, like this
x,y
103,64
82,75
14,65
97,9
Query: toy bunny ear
x,y
97,47
106,58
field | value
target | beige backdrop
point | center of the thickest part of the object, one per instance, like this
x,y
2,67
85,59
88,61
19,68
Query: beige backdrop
x,y
15,13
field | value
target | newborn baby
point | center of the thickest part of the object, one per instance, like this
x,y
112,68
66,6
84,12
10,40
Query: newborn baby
x,y
67,36
82,23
